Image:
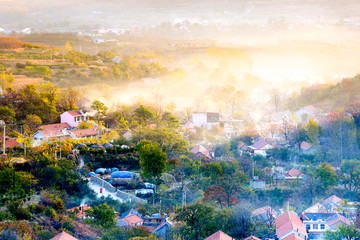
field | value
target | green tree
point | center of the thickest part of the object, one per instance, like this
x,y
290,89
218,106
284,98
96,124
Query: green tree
x,y
327,175
350,175
143,114
32,121
103,215
152,161
343,233
198,219
6,113
100,109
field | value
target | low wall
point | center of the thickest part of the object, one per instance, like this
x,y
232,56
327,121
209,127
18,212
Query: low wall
x,y
103,183
123,195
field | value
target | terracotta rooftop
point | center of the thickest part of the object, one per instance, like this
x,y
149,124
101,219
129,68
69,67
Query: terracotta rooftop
x,y
11,143
336,218
305,145
266,210
293,237
52,133
294,173
64,236
260,144
317,208
252,238
54,126
241,144
74,113
333,199
219,235
132,219
288,222
201,149
79,133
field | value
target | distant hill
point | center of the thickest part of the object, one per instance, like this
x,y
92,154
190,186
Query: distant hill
x,y
329,96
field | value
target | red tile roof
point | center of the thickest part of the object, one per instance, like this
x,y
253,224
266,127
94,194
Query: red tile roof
x,y
311,109
64,236
305,145
132,219
317,208
335,199
75,113
201,149
331,220
54,126
260,144
11,143
266,210
241,144
219,235
294,173
287,222
293,237
79,133
52,133
252,238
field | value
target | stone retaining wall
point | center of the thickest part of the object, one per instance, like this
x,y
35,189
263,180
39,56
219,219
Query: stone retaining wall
x,y
123,195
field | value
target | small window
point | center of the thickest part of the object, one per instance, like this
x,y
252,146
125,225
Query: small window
x,y
322,226
307,226
315,226
35,138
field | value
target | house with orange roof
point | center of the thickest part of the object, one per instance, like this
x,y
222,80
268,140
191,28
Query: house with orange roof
x,y
252,238
219,235
308,148
294,173
130,221
83,133
260,147
47,135
64,236
202,151
56,126
336,220
289,227
11,143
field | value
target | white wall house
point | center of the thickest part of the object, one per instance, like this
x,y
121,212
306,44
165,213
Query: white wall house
x,y
73,117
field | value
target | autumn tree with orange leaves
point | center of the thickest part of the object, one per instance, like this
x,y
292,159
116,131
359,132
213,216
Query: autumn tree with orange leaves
x,y
225,192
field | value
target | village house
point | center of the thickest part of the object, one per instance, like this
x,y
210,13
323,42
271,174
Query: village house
x,y
158,225
56,126
306,113
48,135
11,143
64,236
73,117
83,133
308,148
260,147
130,221
203,152
241,147
219,235
295,174
206,120
257,183
289,226
265,214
